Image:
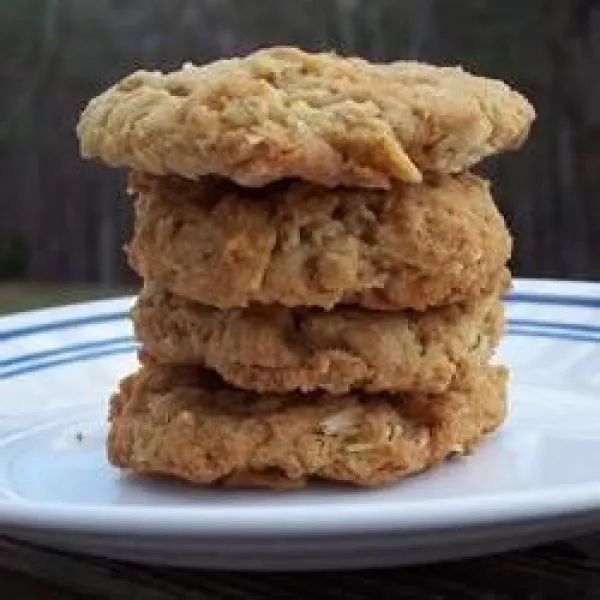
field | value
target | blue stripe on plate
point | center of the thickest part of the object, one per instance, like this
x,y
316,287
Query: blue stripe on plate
x,y
65,324
516,297
554,325
32,356
557,335
127,349
522,297
518,326
520,330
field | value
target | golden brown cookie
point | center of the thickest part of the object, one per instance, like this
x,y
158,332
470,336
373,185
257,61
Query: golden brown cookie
x,y
277,349
179,421
297,244
282,112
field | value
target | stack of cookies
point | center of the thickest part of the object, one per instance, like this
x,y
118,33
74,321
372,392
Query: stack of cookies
x,y
322,275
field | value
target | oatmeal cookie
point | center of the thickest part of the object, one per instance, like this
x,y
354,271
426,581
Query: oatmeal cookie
x,y
180,421
278,349
297,244
282,112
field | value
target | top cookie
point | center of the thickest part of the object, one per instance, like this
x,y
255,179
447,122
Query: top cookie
x,y
282,112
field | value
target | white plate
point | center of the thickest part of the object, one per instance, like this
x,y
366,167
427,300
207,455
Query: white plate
x,y
538,479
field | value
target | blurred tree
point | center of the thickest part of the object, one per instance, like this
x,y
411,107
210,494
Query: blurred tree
x,y
56,54
573,42
14,256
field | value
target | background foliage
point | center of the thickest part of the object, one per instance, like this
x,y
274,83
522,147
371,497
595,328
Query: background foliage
x,y
64,219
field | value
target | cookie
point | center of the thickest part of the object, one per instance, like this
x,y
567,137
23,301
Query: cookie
x,y
182,422
278,349
282,113
297,244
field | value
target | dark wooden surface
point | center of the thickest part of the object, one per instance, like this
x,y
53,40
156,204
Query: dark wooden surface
x,y
564,570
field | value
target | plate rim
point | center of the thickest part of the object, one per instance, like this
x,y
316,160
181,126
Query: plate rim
x,y
316,521
272,519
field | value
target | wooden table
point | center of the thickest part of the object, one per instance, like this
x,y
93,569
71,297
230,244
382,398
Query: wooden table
x,y
563,570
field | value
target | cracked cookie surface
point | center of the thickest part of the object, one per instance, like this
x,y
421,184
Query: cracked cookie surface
x,y
277,349
180,421
297,244
281,113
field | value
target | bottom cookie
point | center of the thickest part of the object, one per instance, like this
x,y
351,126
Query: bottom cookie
x,y
185,422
